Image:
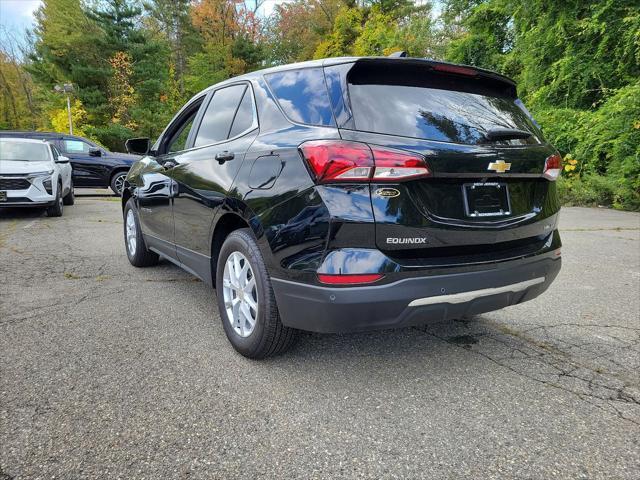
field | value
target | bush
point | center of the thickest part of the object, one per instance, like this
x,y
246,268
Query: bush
x,y
111,136
606,143
596,190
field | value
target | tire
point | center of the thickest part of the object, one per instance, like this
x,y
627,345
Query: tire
x,y
137,252
117,182
69,198
57,208
267,336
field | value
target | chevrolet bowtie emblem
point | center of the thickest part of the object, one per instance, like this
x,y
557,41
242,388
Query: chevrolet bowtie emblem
x,y
500,166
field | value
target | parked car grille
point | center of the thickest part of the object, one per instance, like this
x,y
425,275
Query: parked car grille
x,y
14,184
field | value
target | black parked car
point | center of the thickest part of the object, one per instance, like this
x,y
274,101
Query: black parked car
x,y
350,194
93,165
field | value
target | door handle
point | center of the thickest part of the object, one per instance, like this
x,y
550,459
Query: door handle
x,y
167,164
224,156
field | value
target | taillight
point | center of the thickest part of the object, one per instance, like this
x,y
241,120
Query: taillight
x,y
395,165
341,161
338,161
352,279
552,167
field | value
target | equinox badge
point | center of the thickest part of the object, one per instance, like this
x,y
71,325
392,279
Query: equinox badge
x,y
500,166
396,240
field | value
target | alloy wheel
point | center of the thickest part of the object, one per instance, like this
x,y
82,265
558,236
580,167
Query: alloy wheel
x,y
119,183
240,294
131,233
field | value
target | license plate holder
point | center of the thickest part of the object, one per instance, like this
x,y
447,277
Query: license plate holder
x,y
3,196
488,199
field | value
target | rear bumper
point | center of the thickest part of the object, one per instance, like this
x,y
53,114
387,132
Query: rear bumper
x,y
414,301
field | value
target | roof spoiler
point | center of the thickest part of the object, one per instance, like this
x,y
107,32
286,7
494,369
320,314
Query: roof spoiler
x,y
505,84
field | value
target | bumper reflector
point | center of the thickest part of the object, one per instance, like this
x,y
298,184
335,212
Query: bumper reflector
x,y
349,279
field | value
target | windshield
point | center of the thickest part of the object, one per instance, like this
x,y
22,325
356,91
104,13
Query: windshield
x,y
23,151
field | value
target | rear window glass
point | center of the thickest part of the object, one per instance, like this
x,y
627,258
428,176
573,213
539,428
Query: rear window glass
x,y
303,96
435,113
23,151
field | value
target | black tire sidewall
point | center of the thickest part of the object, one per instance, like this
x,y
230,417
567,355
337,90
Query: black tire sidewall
x,y
57,209
242,241
69,198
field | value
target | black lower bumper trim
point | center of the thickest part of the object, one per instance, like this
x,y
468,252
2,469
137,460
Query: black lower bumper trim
x,y
432,298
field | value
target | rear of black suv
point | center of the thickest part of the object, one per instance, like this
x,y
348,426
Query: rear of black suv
x,y
434,199
349,194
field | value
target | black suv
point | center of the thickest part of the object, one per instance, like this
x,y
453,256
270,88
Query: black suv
x,y
93,165
350,194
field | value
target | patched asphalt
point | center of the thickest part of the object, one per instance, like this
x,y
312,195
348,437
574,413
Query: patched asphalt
x,y
108,371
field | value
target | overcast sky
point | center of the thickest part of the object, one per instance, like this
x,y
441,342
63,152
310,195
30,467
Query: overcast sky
x,y
16,15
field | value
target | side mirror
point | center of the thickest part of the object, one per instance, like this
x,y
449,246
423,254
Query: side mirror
x,y
138,146
62,159
95,152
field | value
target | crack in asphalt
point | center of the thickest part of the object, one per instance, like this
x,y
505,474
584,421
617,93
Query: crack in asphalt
x,y
595,385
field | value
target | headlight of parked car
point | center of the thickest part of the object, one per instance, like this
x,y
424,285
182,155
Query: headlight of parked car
x,y
41,174
48,186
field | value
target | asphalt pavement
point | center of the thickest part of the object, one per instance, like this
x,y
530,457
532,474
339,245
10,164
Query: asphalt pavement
x,y
108,371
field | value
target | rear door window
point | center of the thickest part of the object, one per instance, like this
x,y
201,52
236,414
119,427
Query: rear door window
x,y
218,117
303,96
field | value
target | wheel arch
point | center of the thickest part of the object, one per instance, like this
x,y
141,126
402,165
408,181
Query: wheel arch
x,y
226,224
126,195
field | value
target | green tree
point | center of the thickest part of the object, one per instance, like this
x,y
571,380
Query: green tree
x,y
172,19
18,108
487,36
296,29
346,30
67,49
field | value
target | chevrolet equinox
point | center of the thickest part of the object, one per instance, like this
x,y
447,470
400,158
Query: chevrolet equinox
x,y
349,194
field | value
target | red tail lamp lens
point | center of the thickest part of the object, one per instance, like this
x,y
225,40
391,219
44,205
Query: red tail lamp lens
x,y
341,161
349,279
338,161
552,167
394,165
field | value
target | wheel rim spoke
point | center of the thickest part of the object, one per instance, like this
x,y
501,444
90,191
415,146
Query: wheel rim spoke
x,y
250,303
249,286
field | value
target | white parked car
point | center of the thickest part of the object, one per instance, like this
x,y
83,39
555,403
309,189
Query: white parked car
x,y
34,174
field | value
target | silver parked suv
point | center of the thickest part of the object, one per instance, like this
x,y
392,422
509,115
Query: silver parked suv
x,y
33,174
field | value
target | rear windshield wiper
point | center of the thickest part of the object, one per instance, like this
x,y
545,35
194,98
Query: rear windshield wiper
x,y
495,134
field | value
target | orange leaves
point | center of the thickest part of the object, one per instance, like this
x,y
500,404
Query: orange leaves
x,y
221,21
